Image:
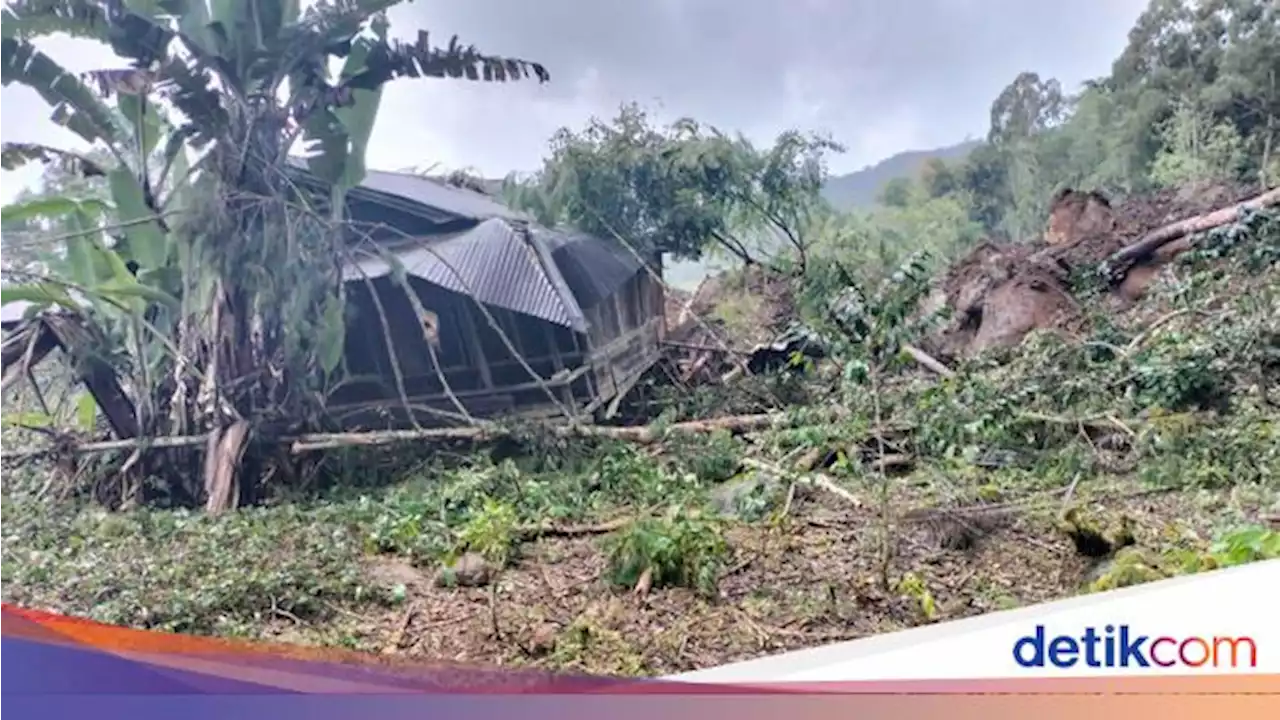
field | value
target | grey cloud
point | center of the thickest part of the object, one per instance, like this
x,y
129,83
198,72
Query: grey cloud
x,y
881,75
931,67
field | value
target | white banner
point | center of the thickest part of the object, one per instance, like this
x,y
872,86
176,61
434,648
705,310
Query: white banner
x,y
1226,621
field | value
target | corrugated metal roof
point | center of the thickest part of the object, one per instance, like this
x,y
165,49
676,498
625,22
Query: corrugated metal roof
x,y
431,193
13,313
494,259
492,262
440,195
593,269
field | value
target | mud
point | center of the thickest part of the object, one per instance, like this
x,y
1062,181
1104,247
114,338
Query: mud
x,y
1000,293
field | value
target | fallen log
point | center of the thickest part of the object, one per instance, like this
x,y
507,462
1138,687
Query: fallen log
x,y
1153,240
535,532
642,434
311,442
687,311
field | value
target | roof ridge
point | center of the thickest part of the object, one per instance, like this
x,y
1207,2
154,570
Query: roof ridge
x,y
436,181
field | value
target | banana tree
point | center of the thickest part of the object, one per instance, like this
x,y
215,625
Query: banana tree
x,y
252,261
89,268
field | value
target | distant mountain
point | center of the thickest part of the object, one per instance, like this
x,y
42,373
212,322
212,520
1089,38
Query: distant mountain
x,y
859,189
855,190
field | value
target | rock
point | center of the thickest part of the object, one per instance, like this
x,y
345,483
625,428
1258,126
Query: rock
x,y
469,570
544,639
737,497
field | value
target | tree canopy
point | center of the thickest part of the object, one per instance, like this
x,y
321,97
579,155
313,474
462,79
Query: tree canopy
x,y
1191,99
684,189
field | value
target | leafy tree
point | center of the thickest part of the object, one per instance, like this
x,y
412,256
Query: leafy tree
x,y
938,178
1093,152
872,244
1197,149
985,180
1248,83
1027,106
682,190
1214,61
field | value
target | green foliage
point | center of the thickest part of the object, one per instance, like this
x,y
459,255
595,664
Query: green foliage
x,y
1197,149
1194,97
913,587
632,477
1245,545
489,500
711,457
683,549
939,179
1178,372
679,190
492,532
178,572
1253,242
896,193
866,329
228,257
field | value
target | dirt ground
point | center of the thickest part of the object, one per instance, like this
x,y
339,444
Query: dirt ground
x,y
998,292
811,582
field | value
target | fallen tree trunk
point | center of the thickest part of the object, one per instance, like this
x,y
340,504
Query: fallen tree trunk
x,y
312,442
1153,240
812,479
642,434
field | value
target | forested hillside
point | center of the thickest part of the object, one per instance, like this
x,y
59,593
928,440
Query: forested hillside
x,y
1193,99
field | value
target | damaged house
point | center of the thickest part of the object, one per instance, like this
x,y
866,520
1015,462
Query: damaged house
x,y
506,318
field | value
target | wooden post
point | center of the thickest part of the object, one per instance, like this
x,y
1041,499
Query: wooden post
x,y
557,361
473,336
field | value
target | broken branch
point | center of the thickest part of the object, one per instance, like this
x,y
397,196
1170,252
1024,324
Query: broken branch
x,y
928,361
816,480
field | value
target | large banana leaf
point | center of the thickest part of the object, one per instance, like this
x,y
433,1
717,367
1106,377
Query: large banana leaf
x,y
149,244
16,155
40,294
27,19
75,106
343,133
148,126
53,207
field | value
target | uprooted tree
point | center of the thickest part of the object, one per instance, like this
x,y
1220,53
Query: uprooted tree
x,y
206,279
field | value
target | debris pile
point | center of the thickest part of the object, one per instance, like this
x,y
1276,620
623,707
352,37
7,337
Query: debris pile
x,y
731,319
999,293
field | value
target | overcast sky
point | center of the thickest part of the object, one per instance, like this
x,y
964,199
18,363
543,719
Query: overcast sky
x,y
882,76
